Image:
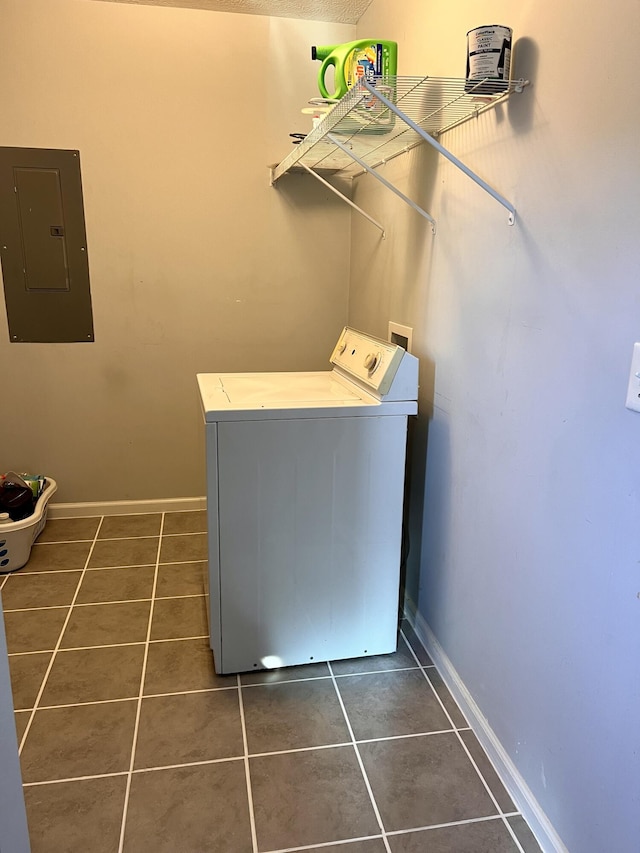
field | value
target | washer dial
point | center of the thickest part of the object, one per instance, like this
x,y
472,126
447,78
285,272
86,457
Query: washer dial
x,y
372,361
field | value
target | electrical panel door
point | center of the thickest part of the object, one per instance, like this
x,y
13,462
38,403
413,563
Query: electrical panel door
x,y
43,246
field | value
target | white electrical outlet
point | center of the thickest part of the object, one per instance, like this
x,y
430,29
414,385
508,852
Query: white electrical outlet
x,y
633,390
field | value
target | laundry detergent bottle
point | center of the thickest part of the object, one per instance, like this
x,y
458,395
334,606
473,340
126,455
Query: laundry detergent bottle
x,y
368,58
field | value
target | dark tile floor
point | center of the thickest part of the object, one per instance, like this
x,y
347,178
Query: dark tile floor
x,y
131,742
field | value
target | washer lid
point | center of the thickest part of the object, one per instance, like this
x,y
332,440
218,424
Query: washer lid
x,y
273,389
253,396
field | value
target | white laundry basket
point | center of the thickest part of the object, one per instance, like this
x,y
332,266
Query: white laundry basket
x,y
17,537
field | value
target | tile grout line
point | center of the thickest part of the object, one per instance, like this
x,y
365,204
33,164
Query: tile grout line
x,y
337,676
57,646
300,749
119,538
111,568
466,822
346,842
247,772
73,779
138,771
352,742
204,763
6,575
125,698
360,762
78,704
136,726
101,603
314,748
465,748
106,645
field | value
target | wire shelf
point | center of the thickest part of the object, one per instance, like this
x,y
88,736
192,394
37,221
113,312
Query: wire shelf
x,y
376,134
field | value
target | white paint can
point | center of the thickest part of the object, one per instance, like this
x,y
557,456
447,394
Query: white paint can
x,y
488,58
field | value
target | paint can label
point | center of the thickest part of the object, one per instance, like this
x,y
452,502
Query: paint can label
x,y
488,58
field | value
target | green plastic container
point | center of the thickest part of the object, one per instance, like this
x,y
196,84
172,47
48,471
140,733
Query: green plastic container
x,y
368,58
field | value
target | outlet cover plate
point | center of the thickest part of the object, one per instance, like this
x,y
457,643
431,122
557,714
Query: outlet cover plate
x,y
633,389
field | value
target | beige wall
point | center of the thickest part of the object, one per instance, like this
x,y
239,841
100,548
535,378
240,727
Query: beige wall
x,y
528,569
196,263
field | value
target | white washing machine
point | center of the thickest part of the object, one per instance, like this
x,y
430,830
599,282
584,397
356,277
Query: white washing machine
x,y
305,485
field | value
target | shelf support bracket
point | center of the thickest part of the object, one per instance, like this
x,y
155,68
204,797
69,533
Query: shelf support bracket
x,y
345,198
382,180
452,159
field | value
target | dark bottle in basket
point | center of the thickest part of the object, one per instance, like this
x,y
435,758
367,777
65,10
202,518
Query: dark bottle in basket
x,y
16,497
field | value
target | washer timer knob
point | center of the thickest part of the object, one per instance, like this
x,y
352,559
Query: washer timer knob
x,y
342,347
371,361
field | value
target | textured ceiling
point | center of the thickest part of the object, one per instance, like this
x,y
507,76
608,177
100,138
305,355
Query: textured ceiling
x,y
334,11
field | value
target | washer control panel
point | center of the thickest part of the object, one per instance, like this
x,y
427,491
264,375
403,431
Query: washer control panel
x,y
371,361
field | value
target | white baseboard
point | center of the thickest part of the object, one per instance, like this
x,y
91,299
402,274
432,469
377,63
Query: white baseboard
x,y
526,803
76,510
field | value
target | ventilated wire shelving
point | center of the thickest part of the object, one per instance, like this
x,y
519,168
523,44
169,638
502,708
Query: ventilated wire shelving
x,y
376,122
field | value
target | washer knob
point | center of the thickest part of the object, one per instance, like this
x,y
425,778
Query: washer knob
x,y
342,347
371,362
